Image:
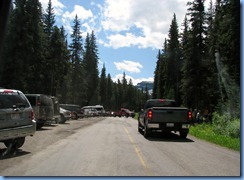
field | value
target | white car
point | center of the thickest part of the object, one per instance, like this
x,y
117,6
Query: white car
x,y
64,115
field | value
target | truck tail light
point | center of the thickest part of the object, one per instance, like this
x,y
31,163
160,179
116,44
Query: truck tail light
x,y
189,115
149,114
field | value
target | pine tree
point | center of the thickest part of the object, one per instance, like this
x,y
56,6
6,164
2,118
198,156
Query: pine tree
x,y
60,57
49,20
24,53
174,63
103,87
77,85
110,93
193,82
91,67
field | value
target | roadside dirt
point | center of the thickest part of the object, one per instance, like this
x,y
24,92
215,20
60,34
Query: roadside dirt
x,y
43,138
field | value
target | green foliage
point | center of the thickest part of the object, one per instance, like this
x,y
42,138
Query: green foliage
x,y
225,125
206,132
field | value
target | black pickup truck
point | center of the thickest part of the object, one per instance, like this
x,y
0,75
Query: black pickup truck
x,y
165,115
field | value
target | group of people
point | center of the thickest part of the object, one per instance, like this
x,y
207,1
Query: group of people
x,y
199,117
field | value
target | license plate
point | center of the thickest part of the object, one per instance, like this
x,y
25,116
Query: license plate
x,y
170,124
154,125
15,116
185,126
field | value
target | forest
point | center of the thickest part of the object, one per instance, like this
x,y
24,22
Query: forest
x,y
198,65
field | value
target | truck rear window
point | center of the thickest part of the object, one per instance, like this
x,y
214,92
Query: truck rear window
x,y
160,103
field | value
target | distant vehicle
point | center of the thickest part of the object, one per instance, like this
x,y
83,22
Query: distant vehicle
x,y
99,108
16,118
124,112
93,112
65,115
76,111
165,115
43,108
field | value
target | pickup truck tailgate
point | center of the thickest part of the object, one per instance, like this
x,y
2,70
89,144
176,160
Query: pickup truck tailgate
x,y
169,114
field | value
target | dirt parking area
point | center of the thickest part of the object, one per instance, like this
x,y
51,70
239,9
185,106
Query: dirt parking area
x,y
43,138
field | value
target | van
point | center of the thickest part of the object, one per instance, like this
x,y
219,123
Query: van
x,y
16,118
43,108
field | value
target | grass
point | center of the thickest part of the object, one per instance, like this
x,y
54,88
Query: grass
x,y
205,131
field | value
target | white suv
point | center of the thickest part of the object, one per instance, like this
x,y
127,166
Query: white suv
x,y
16,118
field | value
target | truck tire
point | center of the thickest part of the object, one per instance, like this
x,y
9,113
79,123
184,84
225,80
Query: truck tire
x,y
139,127
62,119
18,142
39,125
183,134
146,130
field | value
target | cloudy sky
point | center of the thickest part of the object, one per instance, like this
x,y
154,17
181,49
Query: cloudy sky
x,y
129,32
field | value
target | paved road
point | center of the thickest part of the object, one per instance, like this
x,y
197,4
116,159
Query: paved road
x,y
113,147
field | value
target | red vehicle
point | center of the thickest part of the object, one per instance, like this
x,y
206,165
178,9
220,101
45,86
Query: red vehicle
x,y
124,112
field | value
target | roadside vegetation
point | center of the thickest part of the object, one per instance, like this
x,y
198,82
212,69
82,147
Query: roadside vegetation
x,y
227,135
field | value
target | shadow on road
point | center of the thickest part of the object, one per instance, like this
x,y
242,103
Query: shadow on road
x,y
169,137
12,154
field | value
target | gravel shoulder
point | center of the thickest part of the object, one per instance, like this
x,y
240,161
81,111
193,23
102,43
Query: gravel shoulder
x,y
43,138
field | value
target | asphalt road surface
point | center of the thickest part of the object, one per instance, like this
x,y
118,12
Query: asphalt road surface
x,y
111,146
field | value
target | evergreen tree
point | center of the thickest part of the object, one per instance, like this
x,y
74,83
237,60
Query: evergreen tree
x,y
77,84
193,82
174,63
24,53
49,20
103,87
110,93
91,67
48,27
60,57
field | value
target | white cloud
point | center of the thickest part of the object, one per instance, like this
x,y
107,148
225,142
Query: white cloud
x,y
130,66
135,81
80,11
151,18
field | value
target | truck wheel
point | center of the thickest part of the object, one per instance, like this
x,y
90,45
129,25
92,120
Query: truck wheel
x,y
18,142
62,119
39,125
146,131
183,134
139,127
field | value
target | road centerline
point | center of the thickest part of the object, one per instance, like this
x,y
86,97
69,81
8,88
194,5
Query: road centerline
x,y
138,152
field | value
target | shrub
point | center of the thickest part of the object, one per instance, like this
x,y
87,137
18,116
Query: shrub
x,y
225,125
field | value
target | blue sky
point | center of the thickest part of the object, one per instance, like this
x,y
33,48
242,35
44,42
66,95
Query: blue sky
x,y
129,32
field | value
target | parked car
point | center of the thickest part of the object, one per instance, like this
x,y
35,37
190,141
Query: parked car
x,y
65,115
124,112
93,112
16,118
43,108
98,110
76,111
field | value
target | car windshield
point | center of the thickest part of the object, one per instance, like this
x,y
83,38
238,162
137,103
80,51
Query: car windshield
x,y
8,100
